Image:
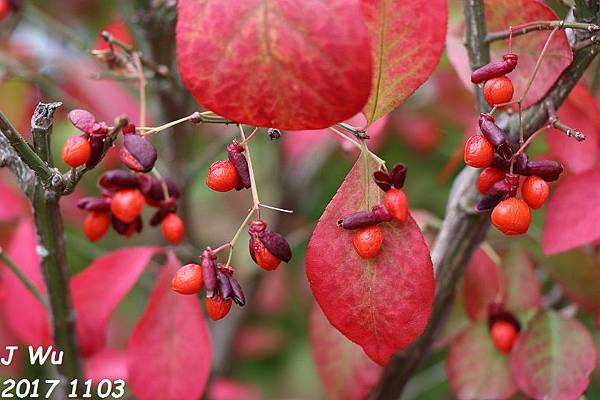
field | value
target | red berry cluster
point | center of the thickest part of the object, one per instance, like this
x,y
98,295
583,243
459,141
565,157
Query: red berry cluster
x,y
504,328
499,181
233,173
123,195
221,287
497,87
368,237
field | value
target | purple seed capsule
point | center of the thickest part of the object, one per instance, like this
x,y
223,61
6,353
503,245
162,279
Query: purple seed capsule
x,y
165,209
97,146
548,170
238,293
137,153
496,136
209,273
520,166
234,153
398,175
383,180
224,285
126,229
100,204
273,241
495,69
117,179
364,219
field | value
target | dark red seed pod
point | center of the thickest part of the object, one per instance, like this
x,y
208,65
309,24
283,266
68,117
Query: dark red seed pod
x,y
383,180
495,194
126,229
97,146
520,166
499,162
497,312
495,69
138,153
273,241
99,204
224,285
548,170
209,273
152,187
496,136
234,153
82,120
398,175
238,293
364,219
165,209
117,179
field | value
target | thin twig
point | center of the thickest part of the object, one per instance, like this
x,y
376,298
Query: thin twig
x,y
161,70
18,271
539,26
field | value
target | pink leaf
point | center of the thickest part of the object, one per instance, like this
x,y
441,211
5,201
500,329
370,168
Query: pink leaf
x,y
345,370
286,64
553,358
500,14
12,203
99,288
476,369
106,364
169,351
483,283
82,120
26,317
580,111
573,213
383,303
407,39
523,290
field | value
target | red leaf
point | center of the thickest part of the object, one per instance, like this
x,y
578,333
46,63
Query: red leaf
x,y
476,369
382,304
107,364
523,288
553,358
99,288
483,284
407,39
12,203
573,213
578,273
345,370
500,14
289,65
26,317
580,111
169,353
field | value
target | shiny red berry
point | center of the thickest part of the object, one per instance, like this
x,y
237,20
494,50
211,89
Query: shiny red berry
x,y
479,152
512,216
188,279
96,225
488,177
173,228
367,241
222,176
217,308
127,204
498,90
264,258
504,334
396,203
535,191
76,151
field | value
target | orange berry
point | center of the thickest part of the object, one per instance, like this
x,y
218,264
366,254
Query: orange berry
x,y
479,152
217,308
172,228
222,176
76,151
488,177
498,90
512,216
396,203
127,204
367,241
188,279
535,191
504,335
96,225
264,258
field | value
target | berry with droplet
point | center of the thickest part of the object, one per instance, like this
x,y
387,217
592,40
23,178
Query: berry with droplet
x,y
498,90
368,241
504,335
479,152
76,151
222,176
217,308
188,279
512,216
127,204
96,225
535,191
172,228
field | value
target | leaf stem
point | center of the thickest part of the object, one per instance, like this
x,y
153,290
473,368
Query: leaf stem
x,y
375,157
